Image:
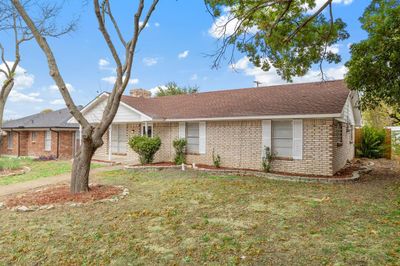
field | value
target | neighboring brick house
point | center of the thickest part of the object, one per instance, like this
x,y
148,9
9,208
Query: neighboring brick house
x,y
309,127
42,134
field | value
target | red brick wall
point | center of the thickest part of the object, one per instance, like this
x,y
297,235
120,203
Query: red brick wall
x,y
36,148
4,145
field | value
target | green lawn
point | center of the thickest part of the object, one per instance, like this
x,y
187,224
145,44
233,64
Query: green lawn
x,y
173,217
39,169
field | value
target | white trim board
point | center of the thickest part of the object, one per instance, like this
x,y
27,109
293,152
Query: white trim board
x,y
338,115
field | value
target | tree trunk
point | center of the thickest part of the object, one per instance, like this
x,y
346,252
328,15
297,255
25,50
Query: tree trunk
x,y
81,167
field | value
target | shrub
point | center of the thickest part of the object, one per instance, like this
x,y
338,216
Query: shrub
x,y
372,143
146,147
216,160
267,159
179,145
46,158
9,164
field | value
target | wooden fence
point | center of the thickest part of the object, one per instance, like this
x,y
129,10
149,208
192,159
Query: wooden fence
x,y
388,141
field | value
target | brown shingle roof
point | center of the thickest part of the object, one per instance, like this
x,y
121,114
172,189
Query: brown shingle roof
x,y
293,99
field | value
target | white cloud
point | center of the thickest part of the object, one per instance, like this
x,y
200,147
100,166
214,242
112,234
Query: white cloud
x,y
226,25
183,55
22,79
157,24
103,62
150,61
58,102
141,24
319,3
272,78
156,89
68,85
17,96
111,80
194,77
334,48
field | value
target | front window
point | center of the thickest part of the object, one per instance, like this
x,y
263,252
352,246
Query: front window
x,y
47,141
339,133
34,136
282,138
192,137
149,132
10,140
119,139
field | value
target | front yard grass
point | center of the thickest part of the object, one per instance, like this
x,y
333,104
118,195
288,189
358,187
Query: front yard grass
x,y
175,217
39,169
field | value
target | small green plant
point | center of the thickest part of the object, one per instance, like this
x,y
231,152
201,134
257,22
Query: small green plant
x,y
216,160
267,159
10,164
372,142
179,145
146,147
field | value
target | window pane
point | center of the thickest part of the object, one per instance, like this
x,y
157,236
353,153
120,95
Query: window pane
x,y
47,140
283,152
282,138
192,137
282,129
193,129
282,143
10,140
192,148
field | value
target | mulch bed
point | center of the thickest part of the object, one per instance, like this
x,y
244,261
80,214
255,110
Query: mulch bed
x,y
61,194
157,164
346,172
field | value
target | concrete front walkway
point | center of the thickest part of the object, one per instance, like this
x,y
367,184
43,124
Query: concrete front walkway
x,y
41,182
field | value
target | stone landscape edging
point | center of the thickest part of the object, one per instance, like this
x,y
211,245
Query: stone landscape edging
x,y
24,170
23,208
355,176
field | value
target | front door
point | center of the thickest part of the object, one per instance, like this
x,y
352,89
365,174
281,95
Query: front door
x,y
119,139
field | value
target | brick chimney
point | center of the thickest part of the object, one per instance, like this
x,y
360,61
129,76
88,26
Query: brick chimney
x,y
140,93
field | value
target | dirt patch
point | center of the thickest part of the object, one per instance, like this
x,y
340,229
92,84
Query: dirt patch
x,y
60,195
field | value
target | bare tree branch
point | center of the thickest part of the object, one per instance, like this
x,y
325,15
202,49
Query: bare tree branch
x,y
114,22
54,71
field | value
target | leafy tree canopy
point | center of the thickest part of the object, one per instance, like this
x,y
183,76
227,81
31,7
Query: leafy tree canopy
x,y
374,67
172,88
288,34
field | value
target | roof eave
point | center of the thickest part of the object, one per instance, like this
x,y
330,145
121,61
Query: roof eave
x,y
264,117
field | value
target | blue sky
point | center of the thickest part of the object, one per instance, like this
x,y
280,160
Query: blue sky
x,y
172,48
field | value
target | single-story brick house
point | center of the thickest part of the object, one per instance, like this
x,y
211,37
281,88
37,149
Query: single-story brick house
x,y
42,134
309,127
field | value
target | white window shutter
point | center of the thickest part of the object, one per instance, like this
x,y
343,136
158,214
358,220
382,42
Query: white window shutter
x,y
298,139
266,135
202,137
182,130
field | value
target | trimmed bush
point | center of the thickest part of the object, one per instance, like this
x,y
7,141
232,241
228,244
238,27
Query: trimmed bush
x,y
146,147
179,145
372,143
